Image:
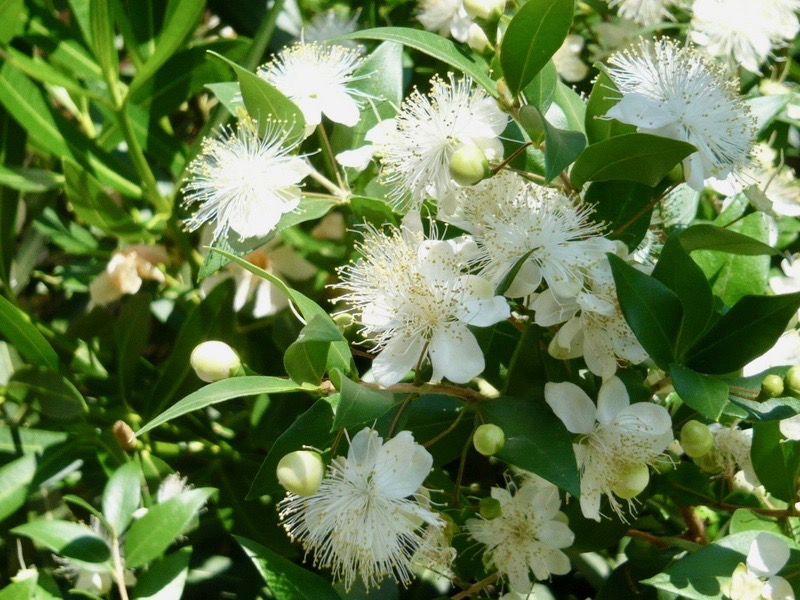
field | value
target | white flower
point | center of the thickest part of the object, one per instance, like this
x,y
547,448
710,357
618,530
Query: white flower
x,y
413,300
742,31
618,436
568,60
644,12
528,535
366,521
416,156
332,24
732,447
786,351
675,92
274,257
594,326
445,17
789,282
758,579
511,218
245,182
316,77
126,271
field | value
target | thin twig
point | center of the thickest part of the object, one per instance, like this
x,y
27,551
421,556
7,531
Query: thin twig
x,y
453,425
647,537
477,587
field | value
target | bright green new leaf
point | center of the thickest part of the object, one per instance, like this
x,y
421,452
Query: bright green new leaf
x,y
15,478
121,496
358,404
705,394
166,578
17,328
70,540
561,147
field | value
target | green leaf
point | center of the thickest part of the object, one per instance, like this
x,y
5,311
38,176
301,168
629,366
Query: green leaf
x,y
747,520
70,540
711,237
166,578
358,404
12,152
12,19
540,91
131,336
285,579
536,440
15,479
102,38
744,333
431,44
181,21
652,310
680,273
229,94
568,110
29,180
603,96
705,394
91,203
149,536
121,496
533,36
17,328
561,147
55,395
312,428
319,348
220,391
776,462
22,589
616,203
631,157
774,409
29,440
264,101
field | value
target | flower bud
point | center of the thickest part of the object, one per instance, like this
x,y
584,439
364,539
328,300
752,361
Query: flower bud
x,y
489,439
631,480
469,165
476,38
772,387
710,462
301,472
124,436
214,360
696,439
489,508
488,10
792,381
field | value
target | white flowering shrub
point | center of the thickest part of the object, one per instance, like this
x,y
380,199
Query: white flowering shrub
x,y
415,299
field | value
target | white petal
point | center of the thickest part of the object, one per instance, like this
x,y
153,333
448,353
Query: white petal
x,y
693,172
551,310
363,450
401,467
571,404
611,400
777,588
397,358
768,554
641,111
556,534
526,282
340,107
790,428
357,159
269,300
455,354
591,492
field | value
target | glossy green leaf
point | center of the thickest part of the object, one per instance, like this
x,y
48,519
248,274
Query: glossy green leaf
x,y
70,540
312,428
603,96
431,44
705,394
29,180
220,391
561,147
15,479
16,326
285,579
54,395
622,207
652,310
540,91
165,579
358,404
631,157
121,496
705,236
265,102
319,348
12,154
150,535
23,588
101,20
229,94
776,463
131,336
744,333
536,440
533,36
12,19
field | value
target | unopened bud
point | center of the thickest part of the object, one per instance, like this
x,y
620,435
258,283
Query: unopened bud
x,y
710,462
792,381
772,386
124,435
213,361
489,508
301,472
631,481
488,10
696,439
469,165
476,38
489,439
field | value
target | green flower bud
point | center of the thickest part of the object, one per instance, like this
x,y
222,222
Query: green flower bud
x,y
709,462
631,480
469,165
696,439
488,10
489,439
792,381
772,387
489,508
301,472
214,360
